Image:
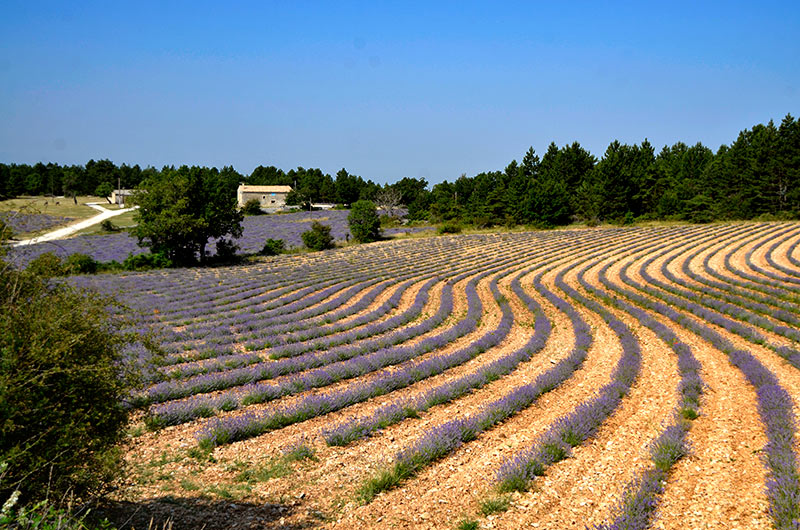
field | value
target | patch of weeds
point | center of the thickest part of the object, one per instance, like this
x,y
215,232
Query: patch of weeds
x,y
202,454
272,468
161,461
495,504
230,492
145,476
137,430
189,485
467,523
298,451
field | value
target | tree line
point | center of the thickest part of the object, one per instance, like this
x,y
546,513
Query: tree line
x,y
757,174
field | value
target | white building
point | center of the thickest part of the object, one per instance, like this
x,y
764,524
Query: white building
x,y
271,198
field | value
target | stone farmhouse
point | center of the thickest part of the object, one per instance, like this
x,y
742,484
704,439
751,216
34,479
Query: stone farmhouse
x,y
271,198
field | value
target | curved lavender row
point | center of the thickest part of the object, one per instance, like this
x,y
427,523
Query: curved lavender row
x,y
250,425
392,270
308,305
394,412
444,438
245,359
271,394
166,285
400,378
775,407
391,413
377,328
790,254
268,370
185,411
763,302
315,305
737,306
712,310
223,326
780,286
777,266
748,258
516,473
774,293
643,493
787,353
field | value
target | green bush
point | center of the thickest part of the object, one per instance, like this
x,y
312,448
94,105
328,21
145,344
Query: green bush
x,y
450,227
252,207
47,265
108,226
365,225
226,250
318,237
63,381
140,262
80,264
273,247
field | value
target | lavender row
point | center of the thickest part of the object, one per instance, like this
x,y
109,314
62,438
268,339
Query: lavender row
x,y
349,338
748,257
758,280
712,316
185,411
749,287
245,359
516,473
443,439
268,370
775,408
395,412
641,496
764,303
768,256
249,425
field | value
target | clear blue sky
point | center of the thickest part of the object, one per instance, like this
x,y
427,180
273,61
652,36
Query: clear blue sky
x,y
385,89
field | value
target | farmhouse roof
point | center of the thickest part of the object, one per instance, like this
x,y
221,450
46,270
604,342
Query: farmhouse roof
x,y
265,189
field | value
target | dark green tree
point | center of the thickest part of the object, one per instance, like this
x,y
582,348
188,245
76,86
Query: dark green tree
x,y
269,176
179,210
318,237
348,187
365,225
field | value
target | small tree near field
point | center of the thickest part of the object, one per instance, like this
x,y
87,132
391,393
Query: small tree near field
x,y
365,225
318,237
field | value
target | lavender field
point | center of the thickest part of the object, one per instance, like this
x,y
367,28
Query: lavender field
x,y
257,229
642,377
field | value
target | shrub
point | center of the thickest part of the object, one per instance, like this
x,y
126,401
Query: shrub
x,y
140,262
273,247
108,226
450,227
47,265
365,225
226,249
318,237
252,207
80,264
63,381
